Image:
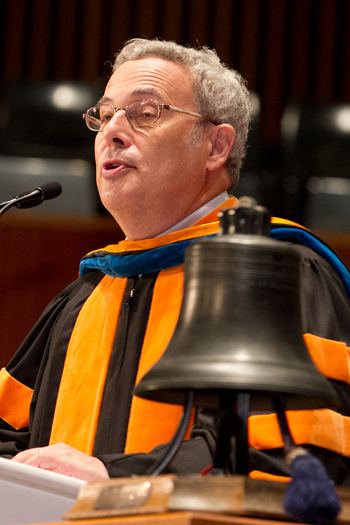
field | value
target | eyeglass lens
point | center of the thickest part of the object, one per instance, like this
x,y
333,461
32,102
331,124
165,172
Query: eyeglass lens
x,y
139,113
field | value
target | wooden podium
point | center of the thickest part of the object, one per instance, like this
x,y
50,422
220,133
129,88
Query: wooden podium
x,y
187,500
178,518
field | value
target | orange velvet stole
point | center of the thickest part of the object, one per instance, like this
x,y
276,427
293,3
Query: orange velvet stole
x,y
80,393
277,220
82,384
151,423
81,389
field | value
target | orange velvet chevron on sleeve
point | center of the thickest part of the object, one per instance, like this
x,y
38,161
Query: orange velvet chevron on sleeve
x,y
15,398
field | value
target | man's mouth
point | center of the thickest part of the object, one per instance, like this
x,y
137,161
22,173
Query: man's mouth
x,y
109,166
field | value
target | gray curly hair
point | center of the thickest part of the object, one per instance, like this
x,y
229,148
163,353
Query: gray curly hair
x,y
220,93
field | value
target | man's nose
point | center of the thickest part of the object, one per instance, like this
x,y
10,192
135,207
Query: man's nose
x,y
118,113
115,130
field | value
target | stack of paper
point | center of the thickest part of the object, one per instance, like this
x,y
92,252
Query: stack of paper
x,y
32,495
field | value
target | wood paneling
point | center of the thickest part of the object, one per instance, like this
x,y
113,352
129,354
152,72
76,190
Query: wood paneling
x,y
285,48
272,91
326,49
298,45
249,42
345,54
14,37
171,20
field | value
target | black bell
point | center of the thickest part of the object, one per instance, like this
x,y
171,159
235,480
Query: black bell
x,y
239,327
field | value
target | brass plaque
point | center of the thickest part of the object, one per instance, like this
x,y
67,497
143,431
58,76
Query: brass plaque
x,y
124,496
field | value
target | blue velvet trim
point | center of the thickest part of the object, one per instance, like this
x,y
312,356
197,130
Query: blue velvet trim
x,y
149,261
170,255
310,240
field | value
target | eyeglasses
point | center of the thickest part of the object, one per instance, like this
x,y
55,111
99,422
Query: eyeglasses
x,y
140,113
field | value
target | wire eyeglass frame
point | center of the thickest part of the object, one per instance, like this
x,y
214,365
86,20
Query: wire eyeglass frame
x,y
133,116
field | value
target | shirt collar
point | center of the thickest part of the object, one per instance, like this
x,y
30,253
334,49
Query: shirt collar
x,y
198,214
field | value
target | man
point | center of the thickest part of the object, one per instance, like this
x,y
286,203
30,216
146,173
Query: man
x,y
171,132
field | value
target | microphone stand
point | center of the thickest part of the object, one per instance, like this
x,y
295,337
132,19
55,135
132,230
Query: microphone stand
x,y
4,206
33,198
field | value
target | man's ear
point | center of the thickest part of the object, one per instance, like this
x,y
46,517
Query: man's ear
x,y
222,139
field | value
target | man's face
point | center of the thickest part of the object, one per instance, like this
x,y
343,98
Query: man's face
x,y
153,174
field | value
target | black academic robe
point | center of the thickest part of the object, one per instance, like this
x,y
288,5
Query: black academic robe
x,y
39,362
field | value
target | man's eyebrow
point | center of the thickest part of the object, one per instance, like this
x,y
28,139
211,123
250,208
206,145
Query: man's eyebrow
x,y
140,91
104,100
147,91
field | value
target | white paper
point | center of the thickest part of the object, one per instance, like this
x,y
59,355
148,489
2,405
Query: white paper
x,y
32,495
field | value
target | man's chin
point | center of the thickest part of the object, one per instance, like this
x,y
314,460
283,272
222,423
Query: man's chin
x,y
121,202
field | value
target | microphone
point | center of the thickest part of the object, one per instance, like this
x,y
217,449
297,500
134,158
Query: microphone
x,y
45,192
29,199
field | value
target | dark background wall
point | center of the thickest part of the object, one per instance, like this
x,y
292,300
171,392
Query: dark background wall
x,y
286,49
